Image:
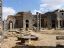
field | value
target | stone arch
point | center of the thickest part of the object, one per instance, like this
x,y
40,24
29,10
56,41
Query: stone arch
x,y
27,24
10,25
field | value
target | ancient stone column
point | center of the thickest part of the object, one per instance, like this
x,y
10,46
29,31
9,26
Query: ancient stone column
x,y
37,21
11,26
49,22
62,23
59,24
58,19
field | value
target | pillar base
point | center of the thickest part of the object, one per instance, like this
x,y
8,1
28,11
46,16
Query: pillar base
x,y
58,28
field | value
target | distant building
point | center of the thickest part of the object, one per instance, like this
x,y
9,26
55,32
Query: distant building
x,y
21,20
47,20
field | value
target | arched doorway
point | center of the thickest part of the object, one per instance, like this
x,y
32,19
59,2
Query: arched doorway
x,y
27,24
10,24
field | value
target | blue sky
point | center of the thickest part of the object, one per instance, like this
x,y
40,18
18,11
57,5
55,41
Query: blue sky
x,y
22,5
34,5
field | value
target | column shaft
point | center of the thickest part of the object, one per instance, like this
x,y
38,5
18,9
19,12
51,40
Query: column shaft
x,y
58,24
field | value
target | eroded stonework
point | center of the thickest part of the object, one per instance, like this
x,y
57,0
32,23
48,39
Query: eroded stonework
x,y
48,20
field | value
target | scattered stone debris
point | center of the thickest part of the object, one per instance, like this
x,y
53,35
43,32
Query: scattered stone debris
x,y
11,40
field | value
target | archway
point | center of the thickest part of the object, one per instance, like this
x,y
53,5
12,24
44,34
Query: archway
x,y
27,24
10,24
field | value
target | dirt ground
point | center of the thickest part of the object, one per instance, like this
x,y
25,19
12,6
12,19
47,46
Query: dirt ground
x,y
43,39
9,40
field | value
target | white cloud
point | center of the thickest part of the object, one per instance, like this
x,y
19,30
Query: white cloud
x,y
49,5
34,11
8,11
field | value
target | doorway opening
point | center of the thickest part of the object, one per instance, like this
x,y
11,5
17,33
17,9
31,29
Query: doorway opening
x,y
27,24
63,23
53,23
10,24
